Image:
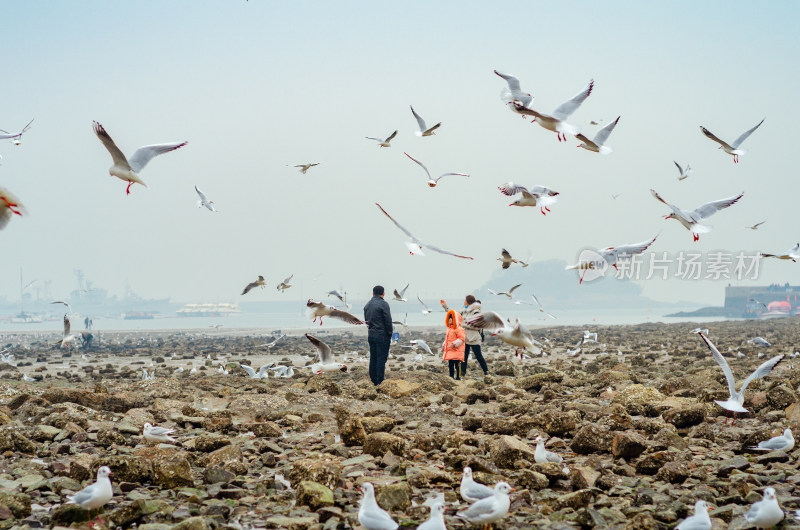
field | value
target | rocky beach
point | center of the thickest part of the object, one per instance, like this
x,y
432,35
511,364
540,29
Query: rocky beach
x,y
633,417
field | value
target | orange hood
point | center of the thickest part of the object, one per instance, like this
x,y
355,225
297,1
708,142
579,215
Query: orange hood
x,y
453,319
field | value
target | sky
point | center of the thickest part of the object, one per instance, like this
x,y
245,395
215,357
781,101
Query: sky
x,y
256,87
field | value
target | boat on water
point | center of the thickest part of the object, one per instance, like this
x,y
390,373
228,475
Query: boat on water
x,y
209,310
27,318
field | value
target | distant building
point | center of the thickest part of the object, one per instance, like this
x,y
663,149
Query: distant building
x,y
762,301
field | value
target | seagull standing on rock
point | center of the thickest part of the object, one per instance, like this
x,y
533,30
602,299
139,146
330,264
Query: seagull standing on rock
x,y
472,491
370,515
765,513
157,434
699,521
436,519
542,455
785,442
95,495
491,509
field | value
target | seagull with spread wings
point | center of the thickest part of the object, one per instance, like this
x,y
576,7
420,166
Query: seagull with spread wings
x,y
610,256
598,143
203,201
258,283
432,182
506,259
684,171
128,170
319,310
735,401
509,293
540,196
15,138
306,167
285,284
733,148
415,246
791,254
512,94
383,143
691,219
424,130
398,295
326,362
557,121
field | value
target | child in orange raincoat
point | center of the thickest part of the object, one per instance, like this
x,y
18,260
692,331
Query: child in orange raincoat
x,y
454,343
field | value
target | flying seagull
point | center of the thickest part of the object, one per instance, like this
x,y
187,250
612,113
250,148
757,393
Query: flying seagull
x,y
691,219
513,94
262,372
506,258
732,149
285,284
399,295
432,182
258,283
557,122
415,246
516,335
128,170
735,401
203,201
383,143
423,129
611,255
319,310
540,196
755,226
306,167
326,362
791,254
16,138
508,293
66,304
9,205
598,144
684,171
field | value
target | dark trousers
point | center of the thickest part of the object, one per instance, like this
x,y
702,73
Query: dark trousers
x,y
476,349
378,354
455,368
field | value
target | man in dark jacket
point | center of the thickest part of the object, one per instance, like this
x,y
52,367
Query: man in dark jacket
x,y
379,322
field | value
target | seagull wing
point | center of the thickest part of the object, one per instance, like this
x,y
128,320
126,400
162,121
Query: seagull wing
x,y
448,174
406,232
482,507
513,288
762,371
744,135
710,208
602,135
345,316
423,303
116,155
711,136
287,280
85,495
724,364
403,292
144,154
442,251
680,169
424,345
248,287
486,320
420,121
391,137
420,164
671,206
201,195
568,107
325,353
513,82
633,248
510,189
249,370
161,431
263,369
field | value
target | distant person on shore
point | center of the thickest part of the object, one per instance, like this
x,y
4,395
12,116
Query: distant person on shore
x,y
378,317
453,346
473,335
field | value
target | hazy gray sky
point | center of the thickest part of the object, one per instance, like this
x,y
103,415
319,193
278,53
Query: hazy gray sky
x,y
254,86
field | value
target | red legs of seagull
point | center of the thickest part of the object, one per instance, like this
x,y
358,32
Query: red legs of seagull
x,y
11,206
735,159
696,237
128,189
